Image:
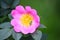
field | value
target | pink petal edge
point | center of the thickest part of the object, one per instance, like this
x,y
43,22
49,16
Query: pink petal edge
x,y
20,9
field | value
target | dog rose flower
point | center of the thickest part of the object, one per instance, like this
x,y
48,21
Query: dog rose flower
x,y
25,20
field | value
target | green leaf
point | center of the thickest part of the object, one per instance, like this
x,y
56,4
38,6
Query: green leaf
x,y
5,33
4,12
9,2
44,37
9,15
37,35
15,3
42,26
5,25
16,35
4,5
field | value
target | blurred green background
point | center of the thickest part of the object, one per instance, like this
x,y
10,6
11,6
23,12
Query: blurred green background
x,y
49,12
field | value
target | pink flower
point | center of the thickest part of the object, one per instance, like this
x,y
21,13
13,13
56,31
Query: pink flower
x,y
25,20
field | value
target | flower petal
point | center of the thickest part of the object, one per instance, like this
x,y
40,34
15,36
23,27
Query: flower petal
x,y
32,30
15,14
34,11
36,17
15,24
34,26
17,29
20,9
28,8
24,30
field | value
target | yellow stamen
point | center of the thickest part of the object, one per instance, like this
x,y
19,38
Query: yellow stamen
x,y
26,19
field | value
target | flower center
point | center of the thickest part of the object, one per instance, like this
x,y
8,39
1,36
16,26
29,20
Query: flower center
x,y
26,20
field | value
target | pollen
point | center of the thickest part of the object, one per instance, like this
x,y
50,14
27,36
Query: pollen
x,y
26,20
